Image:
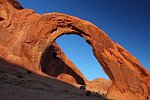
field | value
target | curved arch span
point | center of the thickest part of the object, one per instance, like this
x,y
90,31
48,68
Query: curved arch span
x,y
118,64
36,33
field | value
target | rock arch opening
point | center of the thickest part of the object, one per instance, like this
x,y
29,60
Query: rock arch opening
x,y
55,63
81,54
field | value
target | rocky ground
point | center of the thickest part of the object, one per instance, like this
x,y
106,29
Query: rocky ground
x,y
20,84
100,85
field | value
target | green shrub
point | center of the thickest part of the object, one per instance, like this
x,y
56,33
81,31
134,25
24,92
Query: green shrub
x,y
29,72
19,75
88,93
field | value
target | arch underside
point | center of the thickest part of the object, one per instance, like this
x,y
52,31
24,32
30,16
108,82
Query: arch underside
x,y
55,63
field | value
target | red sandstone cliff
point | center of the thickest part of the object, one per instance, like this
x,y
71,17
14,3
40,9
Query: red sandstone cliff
x,y
27,35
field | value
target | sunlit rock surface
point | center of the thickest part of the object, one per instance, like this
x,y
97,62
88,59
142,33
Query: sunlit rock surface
x,y
26,35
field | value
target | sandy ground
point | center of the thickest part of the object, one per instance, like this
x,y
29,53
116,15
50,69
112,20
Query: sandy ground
x,y
19,84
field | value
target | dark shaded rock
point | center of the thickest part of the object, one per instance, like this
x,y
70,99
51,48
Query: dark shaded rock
x,y
83,87
55,63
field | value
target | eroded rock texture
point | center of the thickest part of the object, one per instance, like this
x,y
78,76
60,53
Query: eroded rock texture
x,y
27,35
55,63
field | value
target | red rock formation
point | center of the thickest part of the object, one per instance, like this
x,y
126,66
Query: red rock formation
x,y
27,35
102,85
55,63
53,66
67,78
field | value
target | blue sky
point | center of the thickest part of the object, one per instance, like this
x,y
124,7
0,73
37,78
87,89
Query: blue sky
x,y
125,21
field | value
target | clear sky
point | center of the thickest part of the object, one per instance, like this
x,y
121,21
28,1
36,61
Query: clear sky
x,y
125,21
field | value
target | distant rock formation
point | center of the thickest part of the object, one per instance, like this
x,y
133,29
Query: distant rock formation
x,y
100,85
25,37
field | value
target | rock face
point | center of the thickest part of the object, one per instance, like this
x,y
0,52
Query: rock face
x,y
101,85
27,35
52,64
55,63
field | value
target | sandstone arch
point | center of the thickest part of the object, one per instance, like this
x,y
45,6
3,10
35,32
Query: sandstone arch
x,y
55,63
27,35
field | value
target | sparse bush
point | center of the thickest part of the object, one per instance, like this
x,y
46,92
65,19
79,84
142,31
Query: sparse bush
x,y
29,72
96,94
65,90
19,75
88,93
